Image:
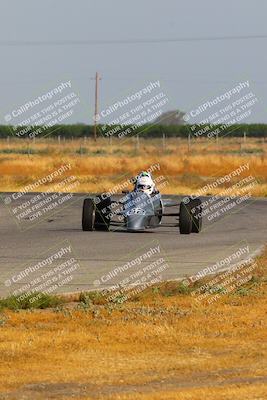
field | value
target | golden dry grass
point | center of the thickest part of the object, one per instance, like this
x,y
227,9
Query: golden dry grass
x,y
156,347
99,166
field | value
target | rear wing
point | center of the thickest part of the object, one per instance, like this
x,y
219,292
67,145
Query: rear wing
x,y
170,203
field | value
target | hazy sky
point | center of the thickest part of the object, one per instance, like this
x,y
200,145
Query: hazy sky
x,y
189,72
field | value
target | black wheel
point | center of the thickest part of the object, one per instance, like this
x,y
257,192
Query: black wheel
x,y
196,212
88,217
102,213
185,219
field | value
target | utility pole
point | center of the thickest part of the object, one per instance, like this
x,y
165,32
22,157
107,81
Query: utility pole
x,y
189,143
97,78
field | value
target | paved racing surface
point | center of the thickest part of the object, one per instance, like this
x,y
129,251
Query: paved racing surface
x,y
98,255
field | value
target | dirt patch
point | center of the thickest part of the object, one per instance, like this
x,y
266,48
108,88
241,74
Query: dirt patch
x,y
43,391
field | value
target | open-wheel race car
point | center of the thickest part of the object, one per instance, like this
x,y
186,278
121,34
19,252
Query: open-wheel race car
x,y
137,211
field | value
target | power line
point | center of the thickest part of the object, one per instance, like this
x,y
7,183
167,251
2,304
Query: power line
x,y
185,81
124,41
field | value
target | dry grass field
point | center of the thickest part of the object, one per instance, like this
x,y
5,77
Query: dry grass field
x,y
101,165
159,346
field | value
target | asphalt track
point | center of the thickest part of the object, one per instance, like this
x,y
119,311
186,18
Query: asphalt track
x,y
98,254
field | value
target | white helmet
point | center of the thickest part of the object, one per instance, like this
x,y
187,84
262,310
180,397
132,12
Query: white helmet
x,y
144,183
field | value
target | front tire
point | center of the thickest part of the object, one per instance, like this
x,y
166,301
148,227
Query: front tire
x,y
88,216
185,219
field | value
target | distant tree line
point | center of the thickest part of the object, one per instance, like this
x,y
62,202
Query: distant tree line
x,y
155,130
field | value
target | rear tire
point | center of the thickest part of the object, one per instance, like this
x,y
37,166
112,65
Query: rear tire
x,y
185,219
196,212
88,217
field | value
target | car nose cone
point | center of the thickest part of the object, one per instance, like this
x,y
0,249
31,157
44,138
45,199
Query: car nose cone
x,y
135,223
